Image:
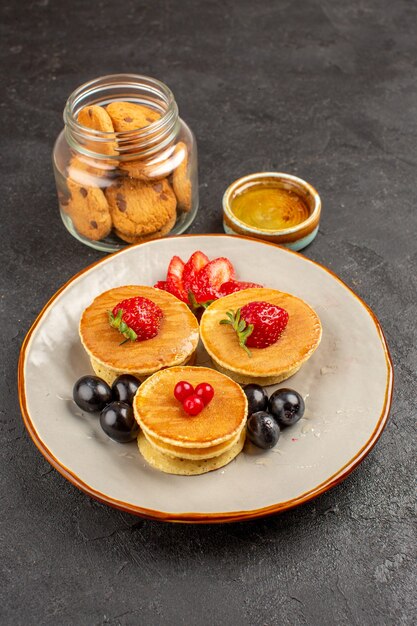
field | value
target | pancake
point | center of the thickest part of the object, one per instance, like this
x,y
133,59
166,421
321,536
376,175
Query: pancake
x,y
187,467
269,365
192,453
162,417
174,344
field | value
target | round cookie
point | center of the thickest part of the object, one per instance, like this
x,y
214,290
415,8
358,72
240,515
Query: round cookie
x,y
187,467
88,210
142,171
157,168
97,118
140,208
90,172
130,116
181,181
156,235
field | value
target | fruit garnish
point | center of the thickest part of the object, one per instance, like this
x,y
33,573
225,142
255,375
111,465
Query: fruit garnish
x,y
175,283
287,406
91,393
118,422
136,318
235,285
161,284
211,278
197,306
198,281
262,430
193,405
194,265
257,398
204,391
182,390
257,324
124,388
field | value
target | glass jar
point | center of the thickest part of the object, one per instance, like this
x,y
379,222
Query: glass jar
x,y
125,163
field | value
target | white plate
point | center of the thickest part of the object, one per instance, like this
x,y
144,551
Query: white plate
x,y
347,385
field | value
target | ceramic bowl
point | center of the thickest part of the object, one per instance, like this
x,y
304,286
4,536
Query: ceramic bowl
x,y
296,237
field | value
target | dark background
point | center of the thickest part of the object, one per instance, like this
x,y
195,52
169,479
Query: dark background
x,y
325,89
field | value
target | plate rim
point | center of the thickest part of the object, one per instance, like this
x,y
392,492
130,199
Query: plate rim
x,y
189,516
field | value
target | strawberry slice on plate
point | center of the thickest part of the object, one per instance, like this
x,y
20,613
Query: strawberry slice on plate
x,y
161,284
174,280
195,263
236,285
211,278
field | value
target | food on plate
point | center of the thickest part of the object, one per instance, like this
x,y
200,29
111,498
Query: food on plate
x,y
204,391
137,318
257,324
257,398
262,430
287,406
91,393
268,415
193,400
269,365
141,210
112,353
124,388
193,405
177,442
199,281
235,285
118,422
191,420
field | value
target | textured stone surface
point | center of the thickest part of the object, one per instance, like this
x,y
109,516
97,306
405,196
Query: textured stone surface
x,y
326,89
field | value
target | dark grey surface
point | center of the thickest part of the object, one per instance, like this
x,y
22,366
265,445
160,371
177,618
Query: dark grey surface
x,y
324,89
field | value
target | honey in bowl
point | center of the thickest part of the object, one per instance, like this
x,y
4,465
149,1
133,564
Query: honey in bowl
x,y
269,206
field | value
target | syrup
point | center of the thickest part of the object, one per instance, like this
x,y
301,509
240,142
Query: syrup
x,y
269,206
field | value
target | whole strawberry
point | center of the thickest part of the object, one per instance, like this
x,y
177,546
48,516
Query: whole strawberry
x,y
137,318
257,324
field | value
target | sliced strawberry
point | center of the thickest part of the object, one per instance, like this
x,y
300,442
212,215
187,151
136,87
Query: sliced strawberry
x,y
211,278
195,263
235,285
174,281
161,284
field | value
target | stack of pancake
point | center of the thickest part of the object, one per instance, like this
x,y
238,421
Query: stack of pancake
x,y
177,443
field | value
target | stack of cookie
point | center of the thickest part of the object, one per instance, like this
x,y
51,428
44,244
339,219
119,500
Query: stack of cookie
x,y
139,199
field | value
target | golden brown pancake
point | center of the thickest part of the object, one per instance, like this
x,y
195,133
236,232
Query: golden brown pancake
x,y
191,453
161,416
268,365
174,344
186,467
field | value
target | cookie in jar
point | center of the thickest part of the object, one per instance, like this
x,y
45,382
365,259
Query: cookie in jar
x,y
125,163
